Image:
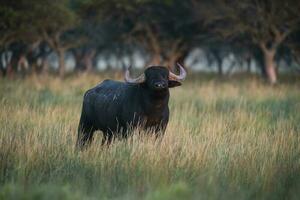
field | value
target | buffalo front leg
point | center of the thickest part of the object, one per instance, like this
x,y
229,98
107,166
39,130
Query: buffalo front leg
x,y
85,136
107,138
161,128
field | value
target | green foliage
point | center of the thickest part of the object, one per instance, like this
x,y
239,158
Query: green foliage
x,y
54,15
158,27
259,21
27,20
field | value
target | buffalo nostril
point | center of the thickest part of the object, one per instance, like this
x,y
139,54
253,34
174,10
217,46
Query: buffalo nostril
x,y
157,85
160,85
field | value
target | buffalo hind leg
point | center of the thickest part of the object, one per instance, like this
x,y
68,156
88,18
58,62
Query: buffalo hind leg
x,y
85,136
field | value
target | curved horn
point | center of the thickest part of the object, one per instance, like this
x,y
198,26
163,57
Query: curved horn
x,y
128,79
179,77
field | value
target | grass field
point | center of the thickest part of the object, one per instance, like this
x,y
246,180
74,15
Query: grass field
x,y
226,140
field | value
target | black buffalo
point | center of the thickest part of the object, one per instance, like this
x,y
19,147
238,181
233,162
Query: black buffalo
x,y
114,106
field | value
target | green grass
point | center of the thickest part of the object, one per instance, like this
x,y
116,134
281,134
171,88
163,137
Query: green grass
x,y
225,140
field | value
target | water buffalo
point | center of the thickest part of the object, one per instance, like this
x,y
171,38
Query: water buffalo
x,y
114,106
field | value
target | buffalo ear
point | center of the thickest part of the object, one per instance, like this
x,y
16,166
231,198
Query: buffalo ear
x,y
173,83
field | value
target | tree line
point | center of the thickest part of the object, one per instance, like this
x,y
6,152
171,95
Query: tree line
x,y
164,30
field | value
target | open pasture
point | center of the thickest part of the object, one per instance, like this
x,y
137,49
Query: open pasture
x,y
234,139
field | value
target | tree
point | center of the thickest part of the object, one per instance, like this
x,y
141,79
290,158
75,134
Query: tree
x,y
266,23
56,21
161,28
7,19
293,45
16,33
25,24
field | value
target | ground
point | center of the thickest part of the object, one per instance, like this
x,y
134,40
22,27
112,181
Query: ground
x,y
236,139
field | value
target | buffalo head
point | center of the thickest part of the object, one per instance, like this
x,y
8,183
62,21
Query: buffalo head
x,y
158,77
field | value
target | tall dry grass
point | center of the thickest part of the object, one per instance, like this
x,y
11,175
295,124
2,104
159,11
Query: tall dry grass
x,y
228,140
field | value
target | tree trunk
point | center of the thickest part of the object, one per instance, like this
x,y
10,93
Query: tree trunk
x,y
12,66
219,60
170,62
270,65
175,58
248,61
220,66
61,62
88,60
154,60
78,55
23,65
45,66
2,67
181,58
